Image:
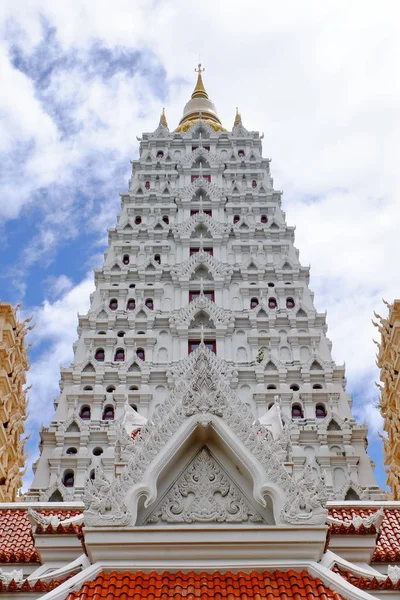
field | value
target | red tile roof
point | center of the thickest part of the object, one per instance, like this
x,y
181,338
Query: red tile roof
x,y
367,583
388,542
16,540
205,586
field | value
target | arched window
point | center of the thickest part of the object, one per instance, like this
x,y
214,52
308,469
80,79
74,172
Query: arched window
x,y
166,219
108,413
134,388
297,411
264,219
132,285
110,389
254,183
113,304
88,388
160,154
147,185
253,302
98,451
119,355
131,304
157,258
317,386
99,355
72,451
241,153
140,353
68,478
92,475
320,411
125,259
272,303
121,334
236,219
290,303
85,412
138,220
271,386
149,303
294,387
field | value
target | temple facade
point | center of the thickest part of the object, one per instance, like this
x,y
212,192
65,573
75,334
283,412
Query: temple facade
x,y
203,444
13,403
388,361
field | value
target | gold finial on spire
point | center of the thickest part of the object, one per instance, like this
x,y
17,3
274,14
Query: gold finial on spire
x,y
238,118
199,91
163,119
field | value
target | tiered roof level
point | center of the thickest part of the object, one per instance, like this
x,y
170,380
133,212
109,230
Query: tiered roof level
x,y
202,254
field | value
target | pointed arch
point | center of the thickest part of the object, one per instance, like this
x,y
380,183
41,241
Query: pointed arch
x,y
88,368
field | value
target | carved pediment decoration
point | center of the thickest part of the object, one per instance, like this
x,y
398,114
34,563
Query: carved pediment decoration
x,y
217,268
200,183
204,493
188,227
218,315
203,395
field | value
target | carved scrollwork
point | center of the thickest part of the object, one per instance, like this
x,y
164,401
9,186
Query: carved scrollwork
x,y
204,494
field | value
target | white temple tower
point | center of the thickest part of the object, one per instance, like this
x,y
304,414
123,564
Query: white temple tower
x,y
202,252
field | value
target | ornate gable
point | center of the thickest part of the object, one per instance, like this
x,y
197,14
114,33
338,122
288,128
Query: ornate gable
x,y
204,493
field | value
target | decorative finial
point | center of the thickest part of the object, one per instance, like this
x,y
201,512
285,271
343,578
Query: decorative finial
x,y
163,119
199,90
238,118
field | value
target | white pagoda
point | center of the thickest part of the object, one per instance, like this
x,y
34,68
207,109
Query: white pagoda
x,y
203,444
202,254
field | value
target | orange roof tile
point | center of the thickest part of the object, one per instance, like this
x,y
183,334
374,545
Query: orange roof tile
x,y
16,540
166,586
388,542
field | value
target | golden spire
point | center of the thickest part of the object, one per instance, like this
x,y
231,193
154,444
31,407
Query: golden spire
x,y
238,118
163,119
199,91
199,107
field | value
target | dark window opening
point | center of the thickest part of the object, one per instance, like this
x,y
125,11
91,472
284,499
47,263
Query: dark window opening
x,y
166,219
68,479
99,355
320,411
253,302
138,220
290,303
131,304
141,353
210,344
157,258
294,387
147,185
194,250
195,211
149,303
125,259
85,413
254,183
196,293
236,219
108,413
72,451
264,219
272,303
113,304
241,153
160,154
297,411
119,355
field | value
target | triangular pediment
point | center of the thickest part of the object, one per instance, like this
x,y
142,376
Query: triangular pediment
x,y
204,493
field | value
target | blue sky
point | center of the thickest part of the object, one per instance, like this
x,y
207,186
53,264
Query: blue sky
x,y
82,81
